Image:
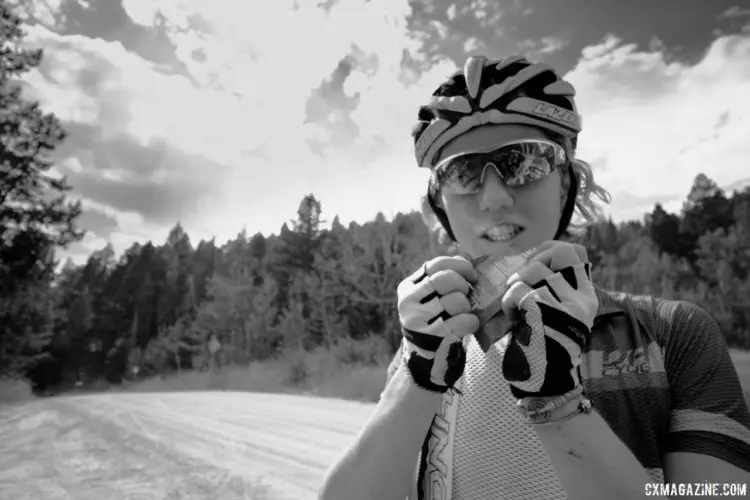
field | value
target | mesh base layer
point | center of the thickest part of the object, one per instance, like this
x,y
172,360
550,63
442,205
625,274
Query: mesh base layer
x,y
496,454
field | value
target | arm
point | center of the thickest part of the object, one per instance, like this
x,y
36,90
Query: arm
x,y
381,462
435,314
541,362
709,440
591,461
709,434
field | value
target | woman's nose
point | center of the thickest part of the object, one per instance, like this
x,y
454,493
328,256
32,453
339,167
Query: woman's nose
x,y
494,194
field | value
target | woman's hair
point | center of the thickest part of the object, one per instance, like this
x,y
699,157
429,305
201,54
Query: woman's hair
x,y
588,210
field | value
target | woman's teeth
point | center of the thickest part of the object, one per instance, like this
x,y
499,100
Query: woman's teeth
x,y
503,232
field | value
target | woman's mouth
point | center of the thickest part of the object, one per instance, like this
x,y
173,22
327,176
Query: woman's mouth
x,y
502,233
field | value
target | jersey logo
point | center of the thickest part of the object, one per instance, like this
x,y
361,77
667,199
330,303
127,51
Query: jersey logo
x,y
605,364
438,460
632,361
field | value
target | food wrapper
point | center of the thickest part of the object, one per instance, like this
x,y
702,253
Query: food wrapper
x,y
486,296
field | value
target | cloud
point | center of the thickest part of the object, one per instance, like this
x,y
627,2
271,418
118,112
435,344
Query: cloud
x,y
537,49
133,144
484,11
268,108
47,12
657,124
551,44
254,124
161,193
735,12
97,221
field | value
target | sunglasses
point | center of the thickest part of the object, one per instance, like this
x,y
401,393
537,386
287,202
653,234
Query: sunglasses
x,y
517,163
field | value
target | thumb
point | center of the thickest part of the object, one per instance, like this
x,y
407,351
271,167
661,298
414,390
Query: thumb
x,y
511,302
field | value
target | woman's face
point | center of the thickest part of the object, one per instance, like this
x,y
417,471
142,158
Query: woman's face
x,y
534,209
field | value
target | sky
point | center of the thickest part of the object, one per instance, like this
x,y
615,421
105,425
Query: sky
x,y
224,114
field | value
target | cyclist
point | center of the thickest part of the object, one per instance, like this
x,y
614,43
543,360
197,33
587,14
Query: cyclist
x,y
593,394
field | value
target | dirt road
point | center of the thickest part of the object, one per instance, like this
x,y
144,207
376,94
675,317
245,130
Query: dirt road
x,y
198,445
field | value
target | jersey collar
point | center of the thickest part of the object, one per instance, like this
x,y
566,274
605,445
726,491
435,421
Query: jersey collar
x,y
607,305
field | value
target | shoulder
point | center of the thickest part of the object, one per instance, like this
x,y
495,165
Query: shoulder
x,y
666,309
691,346
665,320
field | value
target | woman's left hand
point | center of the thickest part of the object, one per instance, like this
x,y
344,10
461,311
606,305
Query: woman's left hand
x,y
553,304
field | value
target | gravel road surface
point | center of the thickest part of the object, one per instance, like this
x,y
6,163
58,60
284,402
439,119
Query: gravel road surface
x,y
190,445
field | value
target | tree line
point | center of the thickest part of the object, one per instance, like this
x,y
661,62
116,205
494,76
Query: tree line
x,y
158,307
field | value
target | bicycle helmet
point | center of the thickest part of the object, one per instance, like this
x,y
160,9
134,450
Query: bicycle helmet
x,y
507,91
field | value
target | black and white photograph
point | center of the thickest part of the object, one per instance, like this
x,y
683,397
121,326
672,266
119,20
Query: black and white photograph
x,y
374,249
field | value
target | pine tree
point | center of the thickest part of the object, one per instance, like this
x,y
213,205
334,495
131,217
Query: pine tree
x,y
35,215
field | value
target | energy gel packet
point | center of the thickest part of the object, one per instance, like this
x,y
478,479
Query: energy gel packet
x,y
486,296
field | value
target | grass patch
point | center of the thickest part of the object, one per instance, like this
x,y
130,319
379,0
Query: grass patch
x,y
15,391
353,371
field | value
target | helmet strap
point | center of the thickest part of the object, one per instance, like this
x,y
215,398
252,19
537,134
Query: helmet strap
x,y
570,204
440,214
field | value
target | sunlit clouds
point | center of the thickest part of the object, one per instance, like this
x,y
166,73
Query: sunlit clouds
x,y
258,110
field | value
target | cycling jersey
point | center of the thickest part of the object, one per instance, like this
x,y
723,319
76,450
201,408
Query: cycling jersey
x,y
657,371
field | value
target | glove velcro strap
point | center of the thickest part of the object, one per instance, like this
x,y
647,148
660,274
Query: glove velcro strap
x,y
425,341
434,388
564,323
560,377
437,374
564,338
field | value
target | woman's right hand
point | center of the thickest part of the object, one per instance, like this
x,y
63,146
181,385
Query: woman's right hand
x,y
435,315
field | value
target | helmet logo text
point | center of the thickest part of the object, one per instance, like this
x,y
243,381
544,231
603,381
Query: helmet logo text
x,y
555,113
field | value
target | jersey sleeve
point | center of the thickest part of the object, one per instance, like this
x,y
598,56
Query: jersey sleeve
x,y
709,413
